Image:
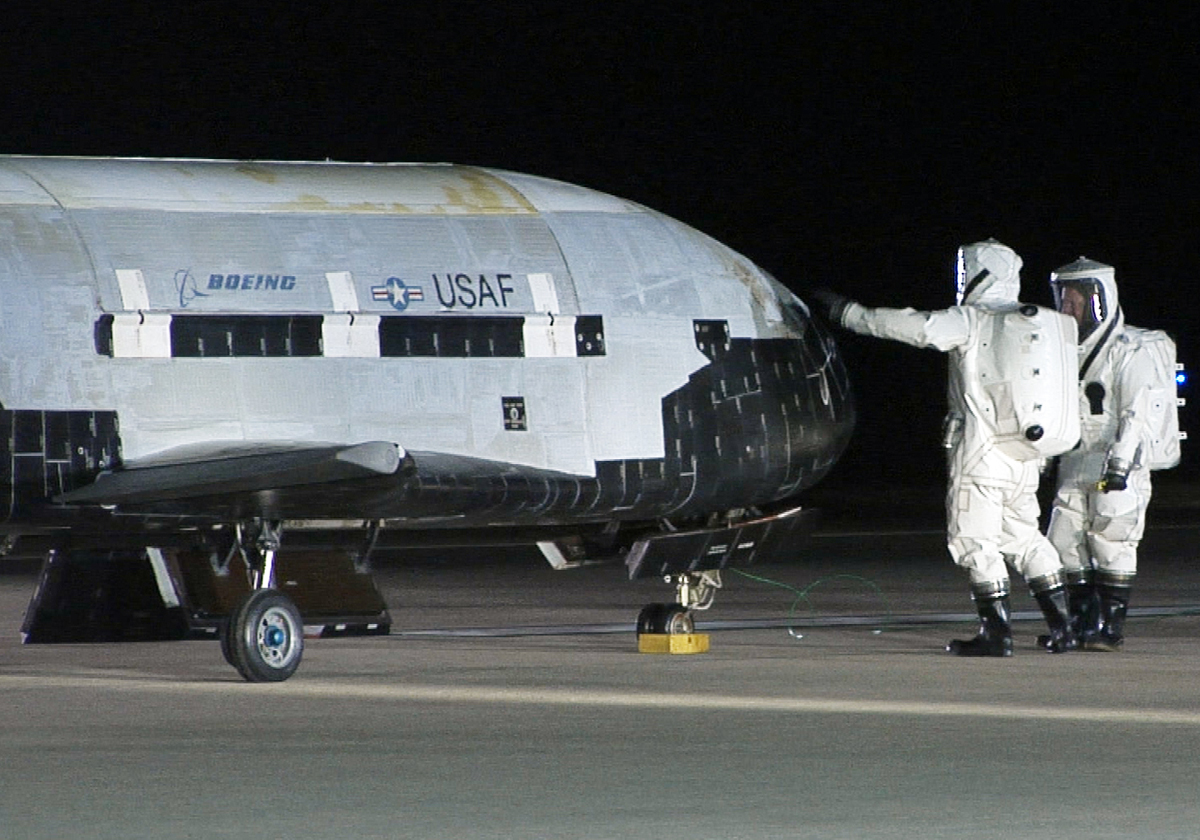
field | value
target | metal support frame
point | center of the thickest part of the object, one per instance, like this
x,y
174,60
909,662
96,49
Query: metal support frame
x,y
696,590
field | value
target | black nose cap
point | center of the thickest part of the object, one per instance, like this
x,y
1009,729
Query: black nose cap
x,y
1034,433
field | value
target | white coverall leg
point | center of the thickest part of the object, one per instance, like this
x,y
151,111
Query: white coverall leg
x,y
992,515
1096,531
1097,535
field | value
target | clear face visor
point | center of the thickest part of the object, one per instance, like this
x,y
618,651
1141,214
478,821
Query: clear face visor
x,y
960,277
964,285
1082,299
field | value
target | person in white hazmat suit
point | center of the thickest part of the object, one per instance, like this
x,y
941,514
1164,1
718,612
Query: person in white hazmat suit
x,y
1099,511
991,504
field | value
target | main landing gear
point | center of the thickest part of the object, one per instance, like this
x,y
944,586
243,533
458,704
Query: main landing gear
x,y
263,638
693,591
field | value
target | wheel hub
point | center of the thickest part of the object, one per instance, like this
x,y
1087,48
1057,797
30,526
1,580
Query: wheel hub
x,y
275,638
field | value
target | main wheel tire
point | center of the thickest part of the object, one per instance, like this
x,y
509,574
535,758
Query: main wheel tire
x,y
265,637
225,634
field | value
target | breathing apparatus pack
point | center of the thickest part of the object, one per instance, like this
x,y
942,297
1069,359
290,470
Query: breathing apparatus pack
x,y
1165,437
1028,366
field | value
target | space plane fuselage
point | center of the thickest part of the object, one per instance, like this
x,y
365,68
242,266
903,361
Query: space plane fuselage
x,y
431,345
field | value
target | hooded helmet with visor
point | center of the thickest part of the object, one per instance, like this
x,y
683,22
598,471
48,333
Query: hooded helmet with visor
x,y
987,273
1087,291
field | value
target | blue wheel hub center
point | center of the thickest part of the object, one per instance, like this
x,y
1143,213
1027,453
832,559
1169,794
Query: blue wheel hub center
x,y
274,637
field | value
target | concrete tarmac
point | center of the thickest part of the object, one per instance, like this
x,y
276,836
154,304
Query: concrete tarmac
x,y
860,729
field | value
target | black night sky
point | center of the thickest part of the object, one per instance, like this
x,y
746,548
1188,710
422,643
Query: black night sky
x,y
839,144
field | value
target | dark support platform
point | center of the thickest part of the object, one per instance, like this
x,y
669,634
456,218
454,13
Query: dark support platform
x,y
156,595
101,596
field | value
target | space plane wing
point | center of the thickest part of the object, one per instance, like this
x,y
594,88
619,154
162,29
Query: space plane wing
x,y
225,469
375,480
256,361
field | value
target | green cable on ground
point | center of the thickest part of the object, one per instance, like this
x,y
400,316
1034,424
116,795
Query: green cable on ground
x,y
802,594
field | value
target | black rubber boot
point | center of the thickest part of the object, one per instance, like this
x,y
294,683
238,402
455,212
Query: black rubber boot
x,y
995,632
1083,608
1053,603
1114,601
1083,605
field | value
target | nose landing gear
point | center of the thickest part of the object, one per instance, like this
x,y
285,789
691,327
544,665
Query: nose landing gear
x,y
693,591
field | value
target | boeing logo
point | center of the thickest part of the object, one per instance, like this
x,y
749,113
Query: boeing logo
x,y
397,293
251,282
185,283
189,289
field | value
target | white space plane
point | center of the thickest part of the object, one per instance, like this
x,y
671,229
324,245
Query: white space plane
x,y
210,370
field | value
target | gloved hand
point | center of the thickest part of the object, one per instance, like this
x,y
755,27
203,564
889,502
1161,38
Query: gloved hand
x,y
831,304
1116,476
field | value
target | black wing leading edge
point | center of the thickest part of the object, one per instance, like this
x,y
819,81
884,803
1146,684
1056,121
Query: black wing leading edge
x,y
236,469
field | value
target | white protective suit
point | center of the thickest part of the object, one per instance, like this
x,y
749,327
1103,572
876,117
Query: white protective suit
x,y
1095,530
991,505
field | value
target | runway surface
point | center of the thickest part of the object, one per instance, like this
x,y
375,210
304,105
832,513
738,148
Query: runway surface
x,y
858,729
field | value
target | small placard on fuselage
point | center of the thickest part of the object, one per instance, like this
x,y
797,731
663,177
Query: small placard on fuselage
x,y
514,414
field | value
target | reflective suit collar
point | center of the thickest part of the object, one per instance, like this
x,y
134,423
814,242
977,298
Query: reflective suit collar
x,y
1113,326
1108,282
1097,343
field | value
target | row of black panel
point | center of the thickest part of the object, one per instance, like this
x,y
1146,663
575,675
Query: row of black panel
x,y
44,453
203,336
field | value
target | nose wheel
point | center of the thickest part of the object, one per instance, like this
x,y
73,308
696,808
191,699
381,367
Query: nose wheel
x,y
671,619
693,591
